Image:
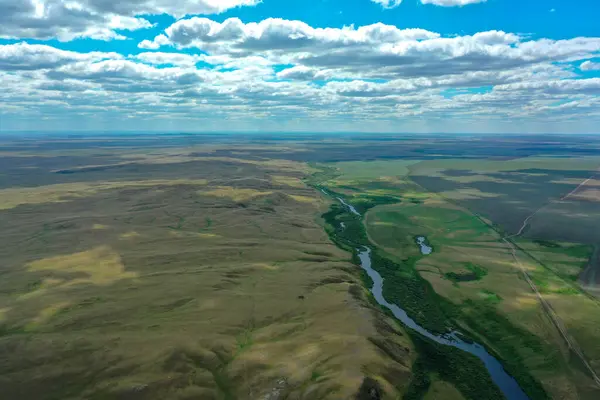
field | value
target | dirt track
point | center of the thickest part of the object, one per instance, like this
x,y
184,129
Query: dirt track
x,y
569,340
571,343
548,310
579,187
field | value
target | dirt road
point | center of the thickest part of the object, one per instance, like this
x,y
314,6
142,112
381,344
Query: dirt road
x,y
571,343
569,340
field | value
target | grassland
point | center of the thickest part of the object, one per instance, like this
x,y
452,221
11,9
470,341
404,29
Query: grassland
x,y
11,198
187,279
373,170
197,266
441,390
493,303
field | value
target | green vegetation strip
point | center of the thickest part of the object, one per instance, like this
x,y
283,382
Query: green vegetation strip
x,y
452,365
476,273
405,286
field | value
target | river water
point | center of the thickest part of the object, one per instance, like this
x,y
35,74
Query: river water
x,y
425,249
506,383
350,207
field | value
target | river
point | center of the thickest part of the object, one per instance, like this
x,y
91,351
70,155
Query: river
x,y
506,383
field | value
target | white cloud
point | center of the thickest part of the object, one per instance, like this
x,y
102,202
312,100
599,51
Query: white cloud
x,y
97,19
375,51
452,3
282,35
443,3
159,58
573,86
299,72
24,56
149,44
589,66
289,71
128,23
160,40
388,3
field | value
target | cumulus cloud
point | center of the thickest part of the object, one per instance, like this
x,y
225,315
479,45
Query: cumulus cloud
x,y
452,3
288,70
97,19
573,86
280,34
377,51
24,56
299,72
589,66
178,59
388,3
160,40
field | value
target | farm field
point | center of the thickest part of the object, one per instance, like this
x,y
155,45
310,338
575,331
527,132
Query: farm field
x,y
473,268
508,191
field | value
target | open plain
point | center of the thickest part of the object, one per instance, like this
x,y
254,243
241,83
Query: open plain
x,y
220,267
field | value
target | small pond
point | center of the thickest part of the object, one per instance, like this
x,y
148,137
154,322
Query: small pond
x,y
426,249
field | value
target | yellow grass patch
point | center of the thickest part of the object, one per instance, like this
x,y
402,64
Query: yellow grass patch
x,y
130,235
17,154
50,282
141,159
11,198
476,178
442,286
381,223
587,195
182,234
440,390
268,267
303,199
391,179
46,314
45,286
208,235
281,165
526,301
235,194
468,194
101,265
577,181
99,227
3,312
529,266
287,181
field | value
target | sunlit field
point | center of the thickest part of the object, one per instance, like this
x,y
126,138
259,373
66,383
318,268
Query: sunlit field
x,y
225,271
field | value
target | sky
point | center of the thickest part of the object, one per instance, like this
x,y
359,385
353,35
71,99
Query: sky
x,y
406,66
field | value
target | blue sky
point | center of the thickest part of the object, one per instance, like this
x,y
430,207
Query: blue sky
x,y
330,65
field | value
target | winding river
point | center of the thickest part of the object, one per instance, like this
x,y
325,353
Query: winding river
x,y
507,384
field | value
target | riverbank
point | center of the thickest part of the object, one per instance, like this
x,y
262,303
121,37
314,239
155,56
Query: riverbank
x,y
405,286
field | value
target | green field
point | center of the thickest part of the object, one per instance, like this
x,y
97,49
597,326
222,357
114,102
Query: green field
x,y
473,270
